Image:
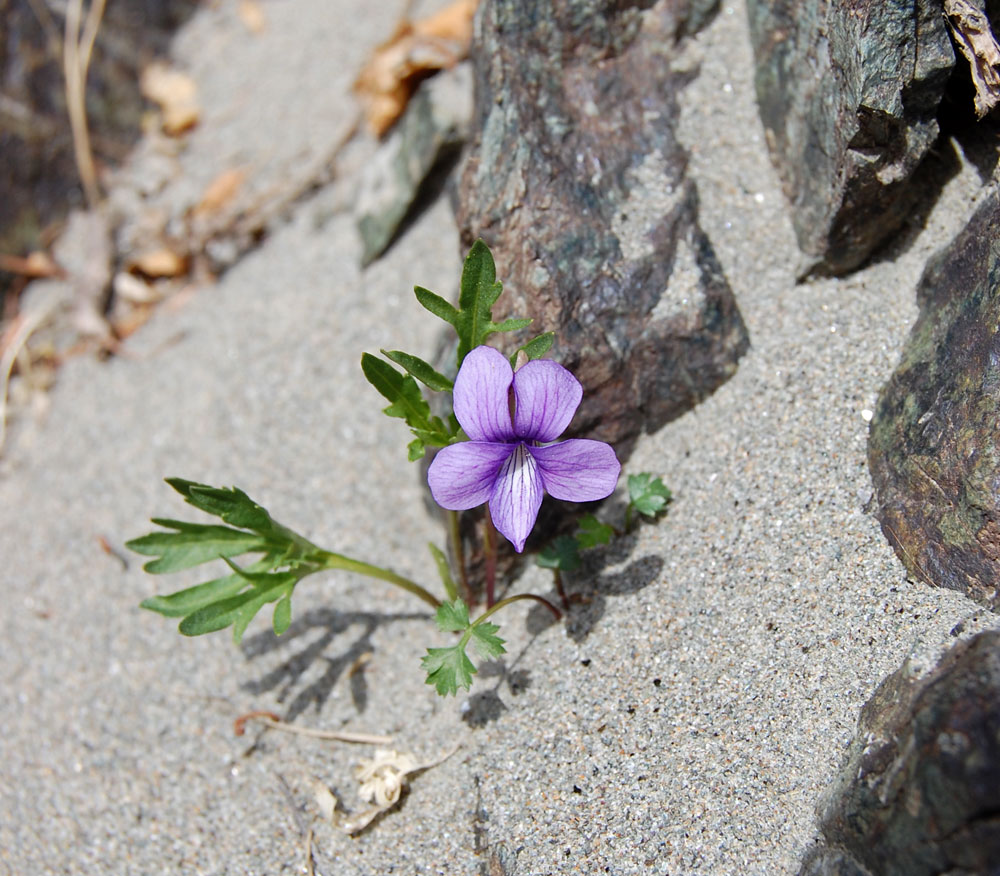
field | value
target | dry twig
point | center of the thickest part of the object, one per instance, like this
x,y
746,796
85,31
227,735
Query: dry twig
x,y
77,49
269,719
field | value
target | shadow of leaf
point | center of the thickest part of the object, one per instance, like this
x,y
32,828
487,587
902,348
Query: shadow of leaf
x,y
285,677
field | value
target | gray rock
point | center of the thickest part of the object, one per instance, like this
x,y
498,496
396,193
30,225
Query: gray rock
x,y
920,792
432,130
848,93
577,182
933,448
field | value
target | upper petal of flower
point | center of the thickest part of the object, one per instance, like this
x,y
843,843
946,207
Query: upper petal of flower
x,y
461,476
578,470
481,395
546,397
516,497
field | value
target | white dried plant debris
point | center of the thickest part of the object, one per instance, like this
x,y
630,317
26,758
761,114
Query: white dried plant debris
x,y
382,779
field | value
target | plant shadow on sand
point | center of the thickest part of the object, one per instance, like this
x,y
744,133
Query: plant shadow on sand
x,y
588,590
350,661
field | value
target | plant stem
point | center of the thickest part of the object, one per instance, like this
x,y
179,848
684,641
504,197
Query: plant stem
x,y
628,517
328,560
557,575
490,546
505,602
458,554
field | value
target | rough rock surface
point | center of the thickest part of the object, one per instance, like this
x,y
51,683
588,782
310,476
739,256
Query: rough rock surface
x,y
848,93
920,793
577,182
933,449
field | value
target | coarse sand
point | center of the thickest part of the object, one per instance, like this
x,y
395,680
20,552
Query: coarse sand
x,y
688,718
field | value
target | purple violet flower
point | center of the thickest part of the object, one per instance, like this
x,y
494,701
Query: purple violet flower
x,y
510,464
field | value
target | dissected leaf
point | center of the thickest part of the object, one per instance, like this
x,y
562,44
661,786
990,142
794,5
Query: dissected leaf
x,y
191,544
448,669
535,348
282,619
408,404
452,616
592,532
563,554
487,643
421,370
647,494
187,601
229,503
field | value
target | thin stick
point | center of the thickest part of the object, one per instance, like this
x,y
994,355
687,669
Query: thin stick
x,y
29,323
269,719
77,50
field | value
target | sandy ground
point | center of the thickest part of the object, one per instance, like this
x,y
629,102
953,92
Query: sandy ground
x,y
686,721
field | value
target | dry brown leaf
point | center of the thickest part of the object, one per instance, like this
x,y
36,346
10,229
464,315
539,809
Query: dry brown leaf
x,y
175,93
415,51
971,30
252,15
35,265
220,192
161,262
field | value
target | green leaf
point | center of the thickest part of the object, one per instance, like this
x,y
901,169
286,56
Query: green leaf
x,y
444,570
401,390
488,645
563,554
282,619
230,503
436,305
479,292
421,370
592,532
647,495
535,348
408,403
239,610
189,600
448,669
192,544
416,449
452,616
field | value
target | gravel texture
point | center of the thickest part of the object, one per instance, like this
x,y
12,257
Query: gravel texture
x,y
687,718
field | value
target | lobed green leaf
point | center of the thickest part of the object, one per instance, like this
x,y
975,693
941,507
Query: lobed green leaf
x,y
229,503
488,645
647,494
452,616
592,532
421,370
189,600
192,544
448,669
563,553
535,348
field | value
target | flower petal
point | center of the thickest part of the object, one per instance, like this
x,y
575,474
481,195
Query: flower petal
x,y
578,470
516,497
481,395
546,397
462,476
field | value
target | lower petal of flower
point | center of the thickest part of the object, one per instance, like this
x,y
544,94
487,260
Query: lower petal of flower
x,y
517,497
577,470
462,476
